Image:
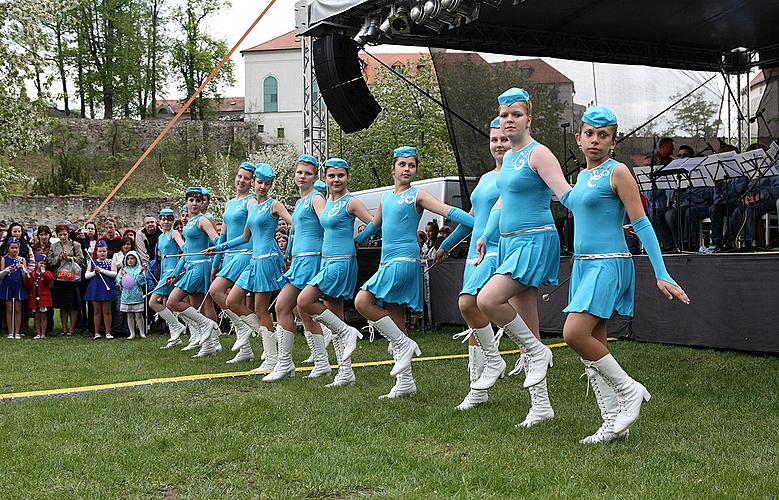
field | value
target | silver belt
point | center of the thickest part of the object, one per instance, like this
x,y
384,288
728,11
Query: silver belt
x,y
473,261
306,254
264,256
199,261
338,257
591,256
549,227
402,259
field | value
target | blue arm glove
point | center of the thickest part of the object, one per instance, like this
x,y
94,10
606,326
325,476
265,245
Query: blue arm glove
x,y
460,216
290,239
366,233
564,199
492,226
227,245
459,234
179,268
219,257
646,234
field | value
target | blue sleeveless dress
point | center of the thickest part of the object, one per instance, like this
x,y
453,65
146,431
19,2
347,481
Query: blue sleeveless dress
x,y
399,278
96,288
306,243
12,286
337,276
167,246
235,215
483,198
603,277
529,247
197,270
264,269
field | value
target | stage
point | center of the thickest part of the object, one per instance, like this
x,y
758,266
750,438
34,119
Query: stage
x,y
734,301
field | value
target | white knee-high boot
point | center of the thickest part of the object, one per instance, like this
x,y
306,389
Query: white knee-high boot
x,y
336,325
539,356
309,342
475,368
608,404
269,350
321,361
630,394
494,365
345,374
245,353
285,341
176,328
403,347
404,381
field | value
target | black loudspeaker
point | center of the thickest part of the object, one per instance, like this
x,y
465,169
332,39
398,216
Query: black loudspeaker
x,y
339,77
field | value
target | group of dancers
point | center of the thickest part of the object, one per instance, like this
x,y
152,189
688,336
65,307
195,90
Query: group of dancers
x,y
514,249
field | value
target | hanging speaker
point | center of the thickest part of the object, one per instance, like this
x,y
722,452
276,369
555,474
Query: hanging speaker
x,y
339,77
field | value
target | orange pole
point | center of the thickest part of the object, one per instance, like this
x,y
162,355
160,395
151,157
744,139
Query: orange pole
x,y
178,115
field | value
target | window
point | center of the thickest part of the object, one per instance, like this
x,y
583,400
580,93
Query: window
x,y
398,68
280,132
260,129
270,93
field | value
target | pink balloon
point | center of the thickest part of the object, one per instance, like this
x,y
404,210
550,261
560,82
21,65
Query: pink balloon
x,y
128,282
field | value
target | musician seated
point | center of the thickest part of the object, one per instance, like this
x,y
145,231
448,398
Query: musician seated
x,y
726,199
694,205
756,204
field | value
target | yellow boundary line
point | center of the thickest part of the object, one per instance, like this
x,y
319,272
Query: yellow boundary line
x,y
88,389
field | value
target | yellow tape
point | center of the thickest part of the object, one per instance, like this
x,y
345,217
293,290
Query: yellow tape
x,y
73,391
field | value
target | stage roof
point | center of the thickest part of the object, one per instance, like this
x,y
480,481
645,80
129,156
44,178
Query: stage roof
x,y
689,34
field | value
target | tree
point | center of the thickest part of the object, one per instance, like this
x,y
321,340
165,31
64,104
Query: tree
x,y
694,116
408,118
196,53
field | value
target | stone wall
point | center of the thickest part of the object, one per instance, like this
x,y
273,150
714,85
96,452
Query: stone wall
x,y
52,210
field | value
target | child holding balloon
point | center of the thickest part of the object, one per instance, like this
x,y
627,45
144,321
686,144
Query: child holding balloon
x,y
101,290
131,279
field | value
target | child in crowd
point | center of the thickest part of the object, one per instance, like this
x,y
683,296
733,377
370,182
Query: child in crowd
x,y
131,280
101,289
39,292
13,270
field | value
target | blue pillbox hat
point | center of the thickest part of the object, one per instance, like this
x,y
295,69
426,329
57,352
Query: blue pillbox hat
x,y
264,172
336,163
599,116
308,159
513,95
404,152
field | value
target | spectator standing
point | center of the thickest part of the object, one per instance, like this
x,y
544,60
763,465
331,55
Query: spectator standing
x,y
101,290
146,240
17,231
67,258
131,279
431,236
127,246
39,300
13,271
111,237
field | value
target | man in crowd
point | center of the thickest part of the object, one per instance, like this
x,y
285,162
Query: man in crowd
x,y
146,240
111,237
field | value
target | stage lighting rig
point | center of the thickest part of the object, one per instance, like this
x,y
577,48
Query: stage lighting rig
x,y
467,10
397,22
369,33
419,16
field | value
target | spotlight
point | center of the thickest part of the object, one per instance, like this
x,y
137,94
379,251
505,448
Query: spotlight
x,y
462,8
434,10
369,33
418,15
397,22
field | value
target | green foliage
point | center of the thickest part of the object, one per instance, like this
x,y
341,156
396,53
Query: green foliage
x,y
408,119
694,117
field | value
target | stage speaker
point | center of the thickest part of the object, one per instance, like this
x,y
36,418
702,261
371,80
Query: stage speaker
x,y
339,77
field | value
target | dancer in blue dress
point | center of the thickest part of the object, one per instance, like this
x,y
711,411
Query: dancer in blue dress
x,y
262,275
528,250
306,252
481,341
191,288
603,277
398,282
229,266
337,276
169,245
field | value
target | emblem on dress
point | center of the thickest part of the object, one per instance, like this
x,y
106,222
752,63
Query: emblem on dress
x,y
337,206
595,176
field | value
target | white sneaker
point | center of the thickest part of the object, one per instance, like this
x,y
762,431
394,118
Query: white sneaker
x,y
17,337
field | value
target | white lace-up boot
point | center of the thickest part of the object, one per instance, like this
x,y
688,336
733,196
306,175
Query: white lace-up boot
x,y
243,336
630,394
211,346
285,341
309,342
176,328
540,406
494,365
608,404
321,361
403,347
269,349
404,381
475,368
195,336
345,375
539,356
245,353
336,325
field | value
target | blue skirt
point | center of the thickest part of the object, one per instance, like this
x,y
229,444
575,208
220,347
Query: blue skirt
x,y
475,277
337,278
261,275
234,265
197,277
532,258
96,289
13,288
602,287
302,270
397,282
164,290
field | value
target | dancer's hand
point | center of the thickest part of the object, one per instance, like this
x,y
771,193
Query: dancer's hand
x,y
672,291
170,280
481,249
440,255
209,251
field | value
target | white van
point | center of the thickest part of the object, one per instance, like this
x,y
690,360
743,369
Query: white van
x,y
446,189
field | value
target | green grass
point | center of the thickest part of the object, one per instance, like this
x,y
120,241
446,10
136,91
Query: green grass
x,y
709,431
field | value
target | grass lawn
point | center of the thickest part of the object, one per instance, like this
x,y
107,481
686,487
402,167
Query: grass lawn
x,y
711,429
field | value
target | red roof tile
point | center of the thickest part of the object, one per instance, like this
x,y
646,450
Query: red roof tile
x,y
285,41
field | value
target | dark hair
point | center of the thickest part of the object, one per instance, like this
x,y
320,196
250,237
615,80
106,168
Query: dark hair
x,y
665,140
178,224
129,240
45,229
757,145
688,148
61,227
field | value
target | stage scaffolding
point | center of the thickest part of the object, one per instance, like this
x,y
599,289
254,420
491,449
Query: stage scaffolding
x,y
315,123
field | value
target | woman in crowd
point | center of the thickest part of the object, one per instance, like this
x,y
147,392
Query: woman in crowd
x,y
231,265
262,275
101,290
528,251
481,341
323,296
63,255
306,252
398,282
603,276
169,245
128,245
13,272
